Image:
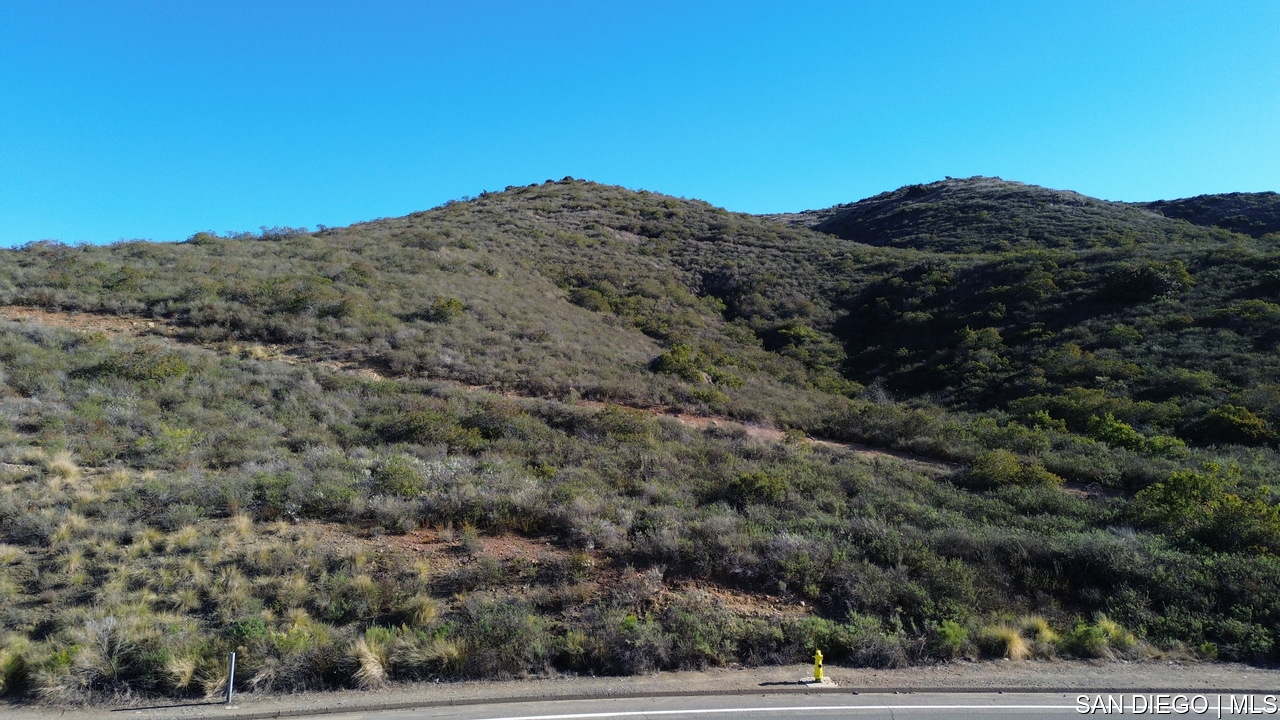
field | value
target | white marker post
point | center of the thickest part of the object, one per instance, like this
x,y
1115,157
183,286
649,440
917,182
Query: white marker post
x,y
231,677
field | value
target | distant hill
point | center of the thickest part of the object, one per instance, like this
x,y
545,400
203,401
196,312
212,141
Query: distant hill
x,y
983,214
1254,214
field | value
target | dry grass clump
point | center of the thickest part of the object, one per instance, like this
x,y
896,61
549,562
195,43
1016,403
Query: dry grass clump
x,y
193,571
419,573
14,649
82,497
212,681
231,593
145,542
185,599
253,351
383,654
28,455
372,660
292,591
110,482
1116,635
272,557
11,554
357,558
72,526
71,561
299,654
9,589
1004,640
105,652
238,529
419,656
180,669
61,464
1043,637
184,539
420,611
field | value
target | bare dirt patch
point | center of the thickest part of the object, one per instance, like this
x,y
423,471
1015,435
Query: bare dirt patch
x,y
87,322
444,550
744,604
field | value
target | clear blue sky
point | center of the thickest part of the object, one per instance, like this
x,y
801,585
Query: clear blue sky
x,y
160,119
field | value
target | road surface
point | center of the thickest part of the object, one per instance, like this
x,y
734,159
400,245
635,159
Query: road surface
x,y
871,706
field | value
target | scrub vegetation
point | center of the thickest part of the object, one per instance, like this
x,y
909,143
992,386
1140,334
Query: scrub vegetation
x,y
521,433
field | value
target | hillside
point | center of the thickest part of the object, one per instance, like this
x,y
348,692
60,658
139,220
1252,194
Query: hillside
x,y
575,427
1043,303
1254,214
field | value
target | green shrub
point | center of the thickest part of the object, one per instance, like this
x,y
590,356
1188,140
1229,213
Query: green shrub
x,y
590,299
948,640
1166,446
1147,280
995,468
443,309
1234,424
702,632
684,362
1084,640
627,644
1113,432
1000,468
503,639
425,427
1261,312
1099,639
1211,507
1243,641
399,476
246,631
756,487
271,494
145,365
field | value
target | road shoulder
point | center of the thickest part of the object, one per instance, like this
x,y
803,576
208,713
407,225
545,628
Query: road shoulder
x,y
979,677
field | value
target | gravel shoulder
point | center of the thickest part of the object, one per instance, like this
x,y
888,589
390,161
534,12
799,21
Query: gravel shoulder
x,y
994,676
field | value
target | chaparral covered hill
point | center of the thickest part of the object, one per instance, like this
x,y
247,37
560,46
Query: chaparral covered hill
x,y
1254,214
572,426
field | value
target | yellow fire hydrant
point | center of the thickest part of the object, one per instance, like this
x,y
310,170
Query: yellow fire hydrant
x,y
817,666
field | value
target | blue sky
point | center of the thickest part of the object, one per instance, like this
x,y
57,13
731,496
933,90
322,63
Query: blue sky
x,y
160,119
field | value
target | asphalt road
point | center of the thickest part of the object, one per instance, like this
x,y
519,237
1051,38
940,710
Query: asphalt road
x,y
931,706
